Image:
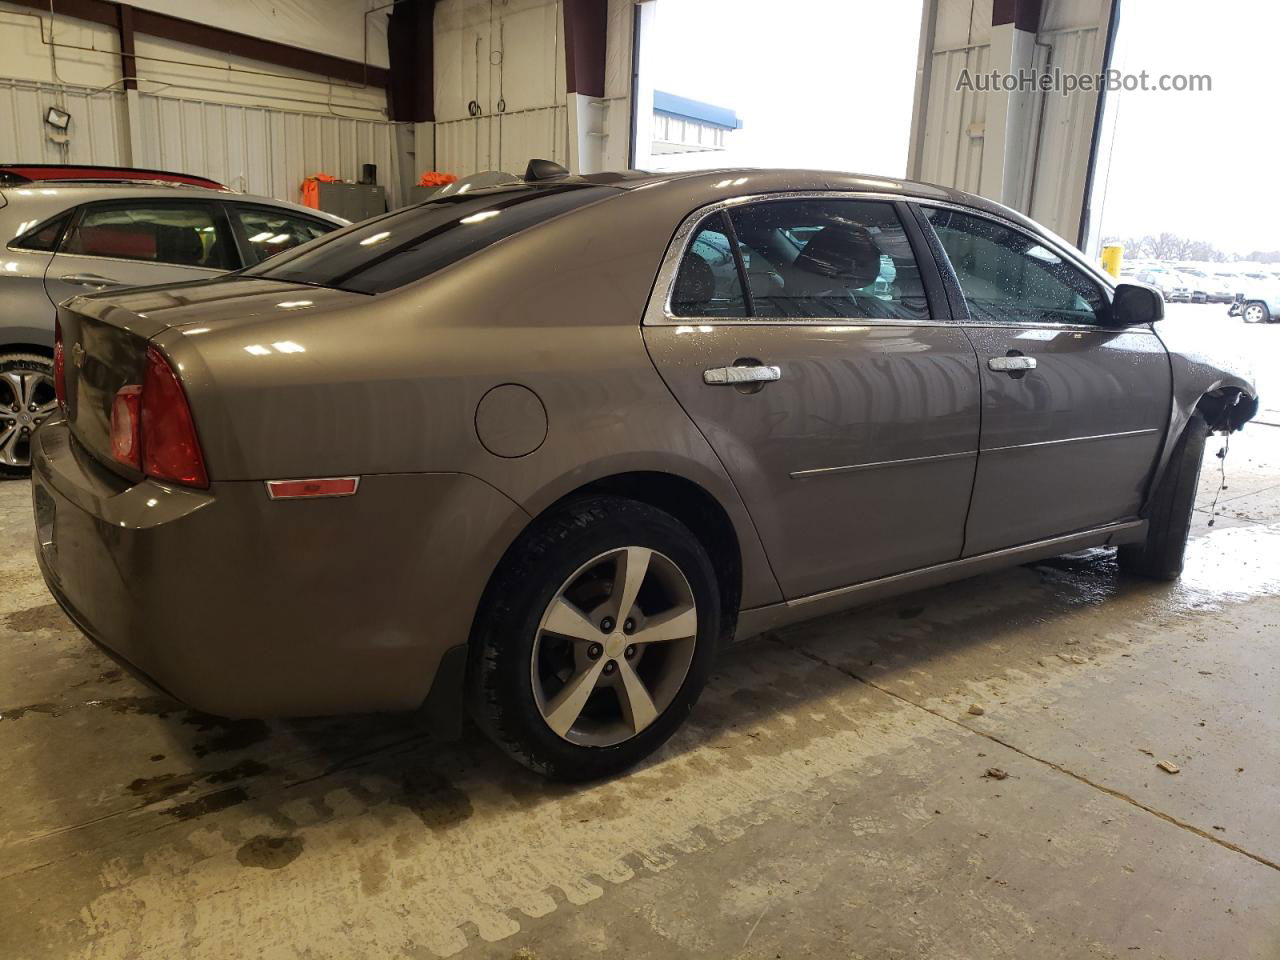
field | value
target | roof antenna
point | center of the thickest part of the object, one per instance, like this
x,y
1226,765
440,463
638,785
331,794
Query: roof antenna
x,y
544,170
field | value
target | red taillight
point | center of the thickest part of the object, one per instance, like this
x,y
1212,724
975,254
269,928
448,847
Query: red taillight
x,y
59,366
125,436
170,448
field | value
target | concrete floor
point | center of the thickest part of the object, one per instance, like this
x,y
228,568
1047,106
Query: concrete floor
x,y
830,798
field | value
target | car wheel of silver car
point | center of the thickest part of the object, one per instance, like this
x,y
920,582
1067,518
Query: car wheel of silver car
x,y
1169,517
596,638
26,400
1255,312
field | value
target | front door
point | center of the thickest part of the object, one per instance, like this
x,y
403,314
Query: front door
x,y
136,242
798,335
1073,412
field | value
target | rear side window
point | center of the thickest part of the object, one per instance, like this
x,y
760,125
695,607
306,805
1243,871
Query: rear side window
x,y
708,284
267,231
45,236
176,233
829,258
803,259
388,252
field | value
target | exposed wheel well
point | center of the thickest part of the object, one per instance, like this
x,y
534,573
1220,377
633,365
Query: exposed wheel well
x,y
696,509
1228,408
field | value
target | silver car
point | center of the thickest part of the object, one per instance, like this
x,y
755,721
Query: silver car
x,y
74,230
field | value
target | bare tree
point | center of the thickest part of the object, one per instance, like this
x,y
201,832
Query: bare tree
x,y
1265,256
1171,246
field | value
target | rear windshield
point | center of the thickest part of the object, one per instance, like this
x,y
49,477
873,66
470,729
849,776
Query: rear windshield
x,y
404,246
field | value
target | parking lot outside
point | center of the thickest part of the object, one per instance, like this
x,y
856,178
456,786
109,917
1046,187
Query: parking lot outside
x,y
983,769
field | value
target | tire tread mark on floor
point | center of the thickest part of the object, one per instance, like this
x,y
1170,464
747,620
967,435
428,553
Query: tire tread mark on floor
x,y
1111,791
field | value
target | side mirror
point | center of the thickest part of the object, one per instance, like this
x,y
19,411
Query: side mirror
x,y
1135,304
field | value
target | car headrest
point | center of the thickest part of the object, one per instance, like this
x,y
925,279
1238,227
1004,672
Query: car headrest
x,y
695,284
178,245
844,252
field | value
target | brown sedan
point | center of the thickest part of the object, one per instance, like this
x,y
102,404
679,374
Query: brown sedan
x,y
538,450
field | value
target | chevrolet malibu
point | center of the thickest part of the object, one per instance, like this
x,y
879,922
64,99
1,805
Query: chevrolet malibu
x,y
539,450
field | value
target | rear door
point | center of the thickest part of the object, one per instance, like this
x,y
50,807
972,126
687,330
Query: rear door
x,y
135,242
1074,412
808,339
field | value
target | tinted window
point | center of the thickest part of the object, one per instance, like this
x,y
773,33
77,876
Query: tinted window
x,y
390,251
707,284
1010,277
268,231
829,258
182,234
45,236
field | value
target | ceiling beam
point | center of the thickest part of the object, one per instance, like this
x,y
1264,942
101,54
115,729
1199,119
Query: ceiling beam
x,y
586,23
206,37
128,62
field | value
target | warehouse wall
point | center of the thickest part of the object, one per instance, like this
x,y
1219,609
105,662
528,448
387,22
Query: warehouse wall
x,y
252,126
952,144
501,92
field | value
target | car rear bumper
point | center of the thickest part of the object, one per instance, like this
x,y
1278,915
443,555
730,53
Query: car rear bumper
x,y
243,606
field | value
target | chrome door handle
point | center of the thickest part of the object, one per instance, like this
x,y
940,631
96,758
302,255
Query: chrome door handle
x,y
1011,364
89,280
730,376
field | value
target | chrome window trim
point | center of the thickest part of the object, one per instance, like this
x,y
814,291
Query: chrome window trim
x,y
658,310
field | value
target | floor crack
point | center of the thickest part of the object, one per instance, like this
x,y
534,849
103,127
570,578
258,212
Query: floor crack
x,y
1118,794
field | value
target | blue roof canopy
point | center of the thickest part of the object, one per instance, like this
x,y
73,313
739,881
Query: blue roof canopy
x,y
695,110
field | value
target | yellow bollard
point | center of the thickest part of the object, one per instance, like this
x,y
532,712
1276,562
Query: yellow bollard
x,y
1112,255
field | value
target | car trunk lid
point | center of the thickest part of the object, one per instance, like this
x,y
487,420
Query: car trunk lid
x,y
105,339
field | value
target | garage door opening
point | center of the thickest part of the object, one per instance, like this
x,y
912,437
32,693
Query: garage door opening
x,y
727,83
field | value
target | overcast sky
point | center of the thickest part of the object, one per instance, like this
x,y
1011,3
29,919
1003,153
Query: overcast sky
x,y
825,84
1200,164
829,84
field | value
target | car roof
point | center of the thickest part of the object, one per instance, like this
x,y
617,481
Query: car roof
x,y
14,173
31,203
736,181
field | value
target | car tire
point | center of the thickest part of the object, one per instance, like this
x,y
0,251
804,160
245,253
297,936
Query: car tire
x,y
1160,556
1255,311
25,379
523,674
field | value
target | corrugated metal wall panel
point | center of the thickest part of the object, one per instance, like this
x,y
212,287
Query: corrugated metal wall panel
x,y
1063,152
502,142
264,151
98,132
956,119
540,133
1047,137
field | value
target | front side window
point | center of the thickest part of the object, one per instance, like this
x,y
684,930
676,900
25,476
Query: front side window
x,y
1008,276
181,234
268,232
707,284
829,258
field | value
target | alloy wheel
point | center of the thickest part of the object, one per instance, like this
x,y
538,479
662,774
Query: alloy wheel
x,y
26,399
614,646
1253,313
